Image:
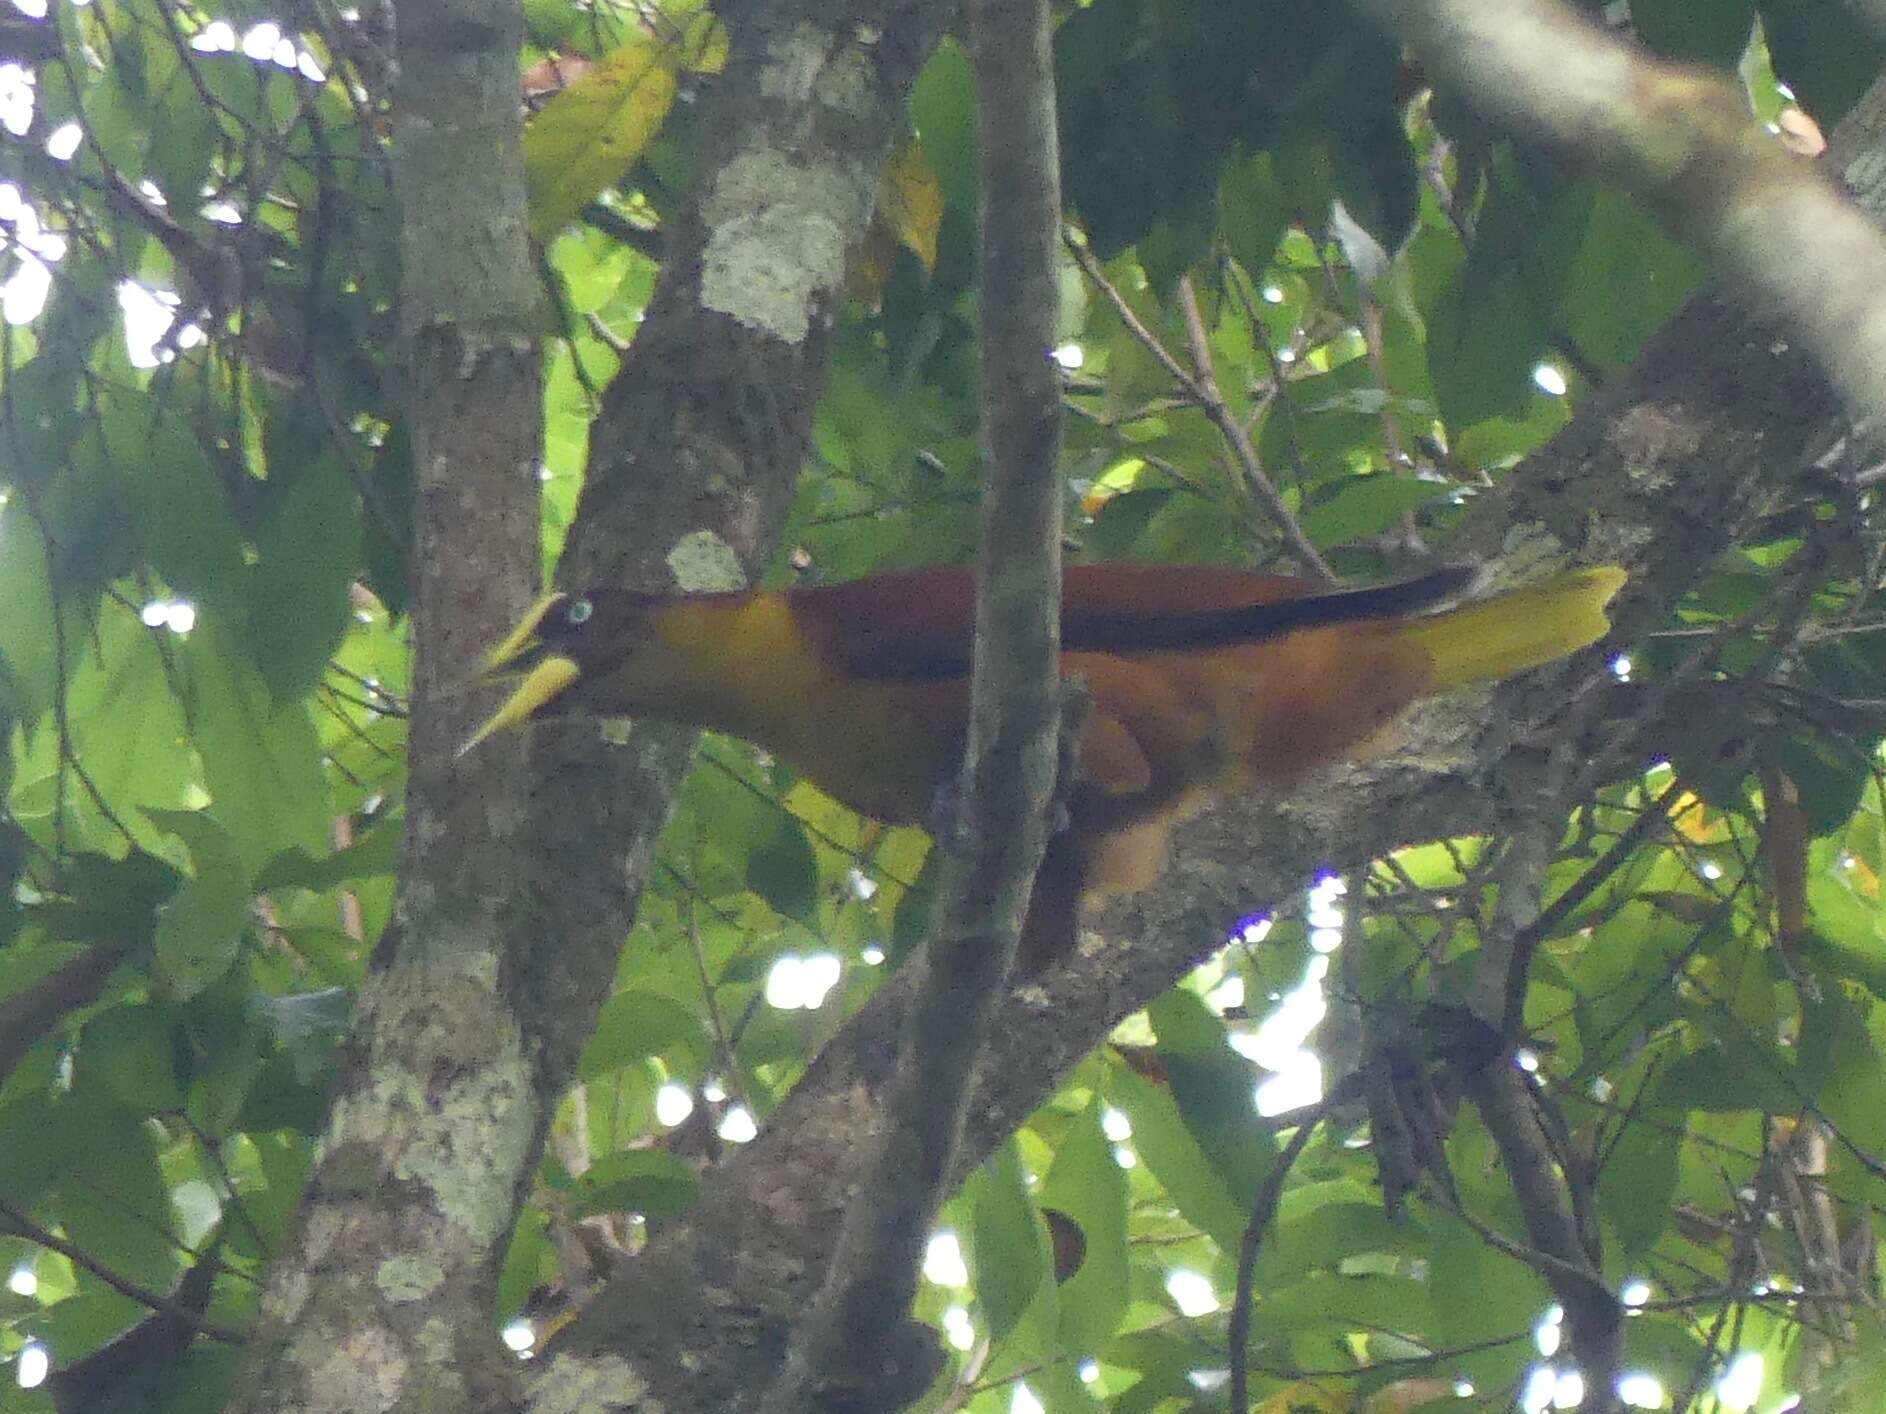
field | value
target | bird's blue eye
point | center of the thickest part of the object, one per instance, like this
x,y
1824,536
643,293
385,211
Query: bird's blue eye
x,y
579,611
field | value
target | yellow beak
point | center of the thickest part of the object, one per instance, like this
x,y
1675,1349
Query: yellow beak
x,y
541,684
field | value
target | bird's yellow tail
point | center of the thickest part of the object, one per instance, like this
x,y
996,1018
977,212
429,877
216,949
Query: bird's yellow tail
x,y
1489,639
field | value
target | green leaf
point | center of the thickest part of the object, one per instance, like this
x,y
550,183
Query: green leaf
x,y
1478,1295
226,1075
1635,1188
591,133
637,1024
1214,1089
1736,1073
261,758
653,1182
1712,31
308,556
1163,1141
1251,210
1625,280
1823,52
1366,505
128,1051
784,872
178,508
1011,1250
200,930
1485,334
374,853
1830,776
1089,1186
27,637
116,1207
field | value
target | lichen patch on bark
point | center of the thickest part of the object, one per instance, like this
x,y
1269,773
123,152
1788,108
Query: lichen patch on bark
x,y
777,239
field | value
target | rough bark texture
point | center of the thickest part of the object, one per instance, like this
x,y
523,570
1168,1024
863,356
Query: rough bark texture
x,y
1659,472
487,987
694,455
857,1350
380,1300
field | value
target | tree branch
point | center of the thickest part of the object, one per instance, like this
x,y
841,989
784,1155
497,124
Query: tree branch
x,y
1681,141
857,1349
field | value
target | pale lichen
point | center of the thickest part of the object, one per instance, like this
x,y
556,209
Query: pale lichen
x,y
408,1278
588,1384
702,562
777,238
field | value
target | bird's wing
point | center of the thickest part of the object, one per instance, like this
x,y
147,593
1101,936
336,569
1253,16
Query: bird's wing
x,y
919,624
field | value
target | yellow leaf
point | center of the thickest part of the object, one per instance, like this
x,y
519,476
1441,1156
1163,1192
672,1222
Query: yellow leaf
x,y
590,134
1696,822
1860,876
909,214
705,45
910,202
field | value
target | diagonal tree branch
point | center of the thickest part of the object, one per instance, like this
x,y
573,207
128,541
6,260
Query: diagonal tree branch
x,y
1681,141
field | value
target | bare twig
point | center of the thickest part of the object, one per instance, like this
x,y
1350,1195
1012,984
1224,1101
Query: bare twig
x,y
1263,1209
1213,402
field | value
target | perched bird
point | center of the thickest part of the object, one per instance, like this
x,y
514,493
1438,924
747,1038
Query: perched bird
x,y
1202,681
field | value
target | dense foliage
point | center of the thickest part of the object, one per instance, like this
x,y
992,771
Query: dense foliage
x,y
1297,276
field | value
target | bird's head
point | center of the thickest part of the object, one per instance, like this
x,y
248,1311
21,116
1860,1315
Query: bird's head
x,y
564,644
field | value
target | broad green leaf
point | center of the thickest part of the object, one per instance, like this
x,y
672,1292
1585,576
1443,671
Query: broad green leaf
x,y
653,1182
1366,505
529,1262
1712,31
1830,776
1736,1073
1214,1088
589,135
1011,1252
1089,1186
376,852
1626,278
116,1208
308,556
178,505
261,758
784,872
1163,1141
1639,1179
637,1024
28,641
1252,210
200,930
1485,333
1480,1295
129,1051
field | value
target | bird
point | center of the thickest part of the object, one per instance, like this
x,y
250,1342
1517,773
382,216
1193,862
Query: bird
x,y
1202,682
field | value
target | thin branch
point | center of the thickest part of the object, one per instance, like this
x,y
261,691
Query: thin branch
x,y
857,1348
1263,1209
25,1227
1213,402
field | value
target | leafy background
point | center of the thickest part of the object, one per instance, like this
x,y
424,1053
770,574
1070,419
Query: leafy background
x,y
203,561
